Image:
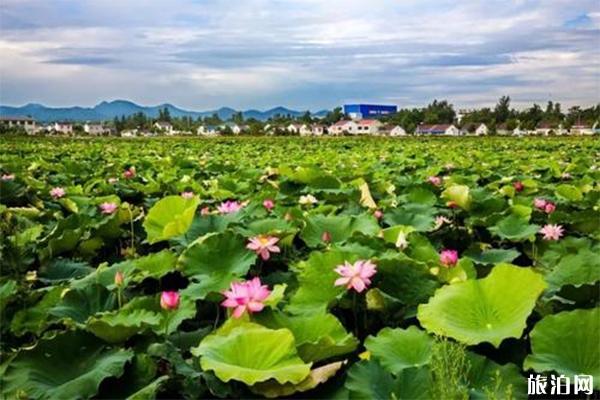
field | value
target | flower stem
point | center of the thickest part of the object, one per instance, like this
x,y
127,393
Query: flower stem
x,y
167,318
120,297
355,313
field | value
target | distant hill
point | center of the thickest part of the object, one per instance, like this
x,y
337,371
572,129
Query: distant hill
x,y
108,110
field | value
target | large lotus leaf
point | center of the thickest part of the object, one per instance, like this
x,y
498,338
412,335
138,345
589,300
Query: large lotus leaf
x,y
272,389
318,336
35,319
251,354
170,217
169,320
369,380
311,176
398,349
214,261
486,377
569,192
575,269
485,310
492,256
406,280
567,343
60,270
118,326
316,277
68,366
514,228
460,195
81,303
340,227
420,216
148,392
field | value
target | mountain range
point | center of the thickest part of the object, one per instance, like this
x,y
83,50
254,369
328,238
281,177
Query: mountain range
x,y
116,108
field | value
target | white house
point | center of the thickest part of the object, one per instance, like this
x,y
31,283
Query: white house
x,y
318,130
342,127
207,130
294,128
94,129
367,127
164,127
128,133
476,128
582,130
65,128
235,128
397,131
437,129
26,123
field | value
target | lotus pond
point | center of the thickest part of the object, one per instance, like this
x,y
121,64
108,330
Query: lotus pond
x,y
288,267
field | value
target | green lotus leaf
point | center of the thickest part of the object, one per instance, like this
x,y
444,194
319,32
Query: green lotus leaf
x,y
35,319
81,303
485,310
493,256
252,354
514,228
317,336
61,270
68,366
214,261
567,343
340,227
568,192
575,269
148,392
458,194
272,389
316,278
369,380
398,349
420,216
170,217
395,233
486,377
120,325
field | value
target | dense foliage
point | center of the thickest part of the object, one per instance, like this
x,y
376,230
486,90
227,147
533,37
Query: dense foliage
x,y
318,268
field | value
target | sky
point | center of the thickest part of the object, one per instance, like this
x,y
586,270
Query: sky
x,y
303,54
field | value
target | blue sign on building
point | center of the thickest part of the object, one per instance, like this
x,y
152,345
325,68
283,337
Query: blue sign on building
x,y
368,110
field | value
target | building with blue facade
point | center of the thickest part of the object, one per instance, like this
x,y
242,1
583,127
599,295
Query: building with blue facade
x,y
358,111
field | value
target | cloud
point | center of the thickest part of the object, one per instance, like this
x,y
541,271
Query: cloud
x,y
300,53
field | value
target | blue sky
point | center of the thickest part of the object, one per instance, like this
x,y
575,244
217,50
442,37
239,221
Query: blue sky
x,y
305,54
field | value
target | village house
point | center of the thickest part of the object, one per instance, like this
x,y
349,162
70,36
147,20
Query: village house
x,y
397,131
341,127
207,130
235,128
294,128
437,129
26,123
128,133
545,129
475,128
164,127
502,130
580,129
66,128
95,129
318,130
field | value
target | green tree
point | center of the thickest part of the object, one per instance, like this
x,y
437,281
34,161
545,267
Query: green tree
x,y
502,109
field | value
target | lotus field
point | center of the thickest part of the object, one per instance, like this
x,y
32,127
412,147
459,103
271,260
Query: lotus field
x,y
336,268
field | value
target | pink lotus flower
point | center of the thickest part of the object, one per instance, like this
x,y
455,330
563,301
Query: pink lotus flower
x,y
205,211
108,208
113,180
57,192
518,185
326,237
539,203
246,296
549,208
7,177
356,276
552,232
129,173
169,300
187,195
264,245
448,258
268,204
229,207
435,180
378,214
